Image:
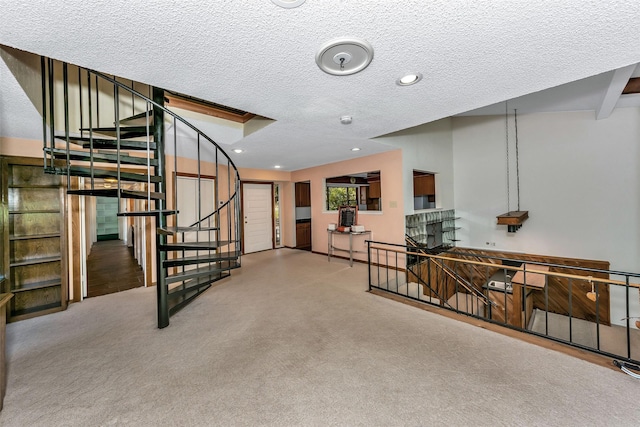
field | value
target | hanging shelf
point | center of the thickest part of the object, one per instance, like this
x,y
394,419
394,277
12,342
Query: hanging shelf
x,y
513,220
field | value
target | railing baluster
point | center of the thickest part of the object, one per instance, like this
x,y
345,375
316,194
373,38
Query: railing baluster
x,y
91,125
598,315
80,98
148,140
65,86
116,113
628,318
570,310
546,305
52,115
43,77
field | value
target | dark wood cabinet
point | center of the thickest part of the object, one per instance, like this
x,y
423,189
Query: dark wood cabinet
x,y
303,194
34,264
303,235
374,190
424,185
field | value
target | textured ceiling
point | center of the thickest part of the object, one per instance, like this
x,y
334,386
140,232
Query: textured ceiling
x,y
258,57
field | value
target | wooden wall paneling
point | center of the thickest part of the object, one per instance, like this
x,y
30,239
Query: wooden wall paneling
x,y
4,228
558,288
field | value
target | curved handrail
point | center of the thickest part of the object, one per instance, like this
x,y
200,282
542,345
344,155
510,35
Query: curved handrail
x,y
188,124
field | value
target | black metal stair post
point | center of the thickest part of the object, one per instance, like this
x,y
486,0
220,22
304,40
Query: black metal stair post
x,y
161,222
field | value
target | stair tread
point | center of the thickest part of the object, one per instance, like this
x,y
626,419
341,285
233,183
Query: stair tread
x,y
107,173
142,117
174,230
208,270
195,245
183,294
60,153
113,192
199,259
125,131
102,143
153,212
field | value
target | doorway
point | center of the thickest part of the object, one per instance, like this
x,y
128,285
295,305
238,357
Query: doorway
x,y
257,203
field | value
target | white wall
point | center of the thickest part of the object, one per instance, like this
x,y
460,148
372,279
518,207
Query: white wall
x,y
426,148
578,180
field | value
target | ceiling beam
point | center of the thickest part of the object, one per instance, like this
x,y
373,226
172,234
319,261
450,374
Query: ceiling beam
x,y
619,79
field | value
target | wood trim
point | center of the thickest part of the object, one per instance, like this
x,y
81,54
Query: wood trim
x,y
198,107
193,175
75,243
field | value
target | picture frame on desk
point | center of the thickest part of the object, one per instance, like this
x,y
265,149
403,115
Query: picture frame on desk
x,y
347,216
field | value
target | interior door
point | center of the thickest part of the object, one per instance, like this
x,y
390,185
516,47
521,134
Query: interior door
x,y
258,217
192,208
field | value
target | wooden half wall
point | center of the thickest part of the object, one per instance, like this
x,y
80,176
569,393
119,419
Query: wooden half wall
x,y
558,287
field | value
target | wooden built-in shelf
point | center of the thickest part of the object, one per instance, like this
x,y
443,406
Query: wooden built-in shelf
x,y
35,261
29,211
35,236
32,186
35,248
37,285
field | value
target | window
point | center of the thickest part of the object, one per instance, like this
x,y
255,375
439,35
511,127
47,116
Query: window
x,y
424,190
361,190
341,196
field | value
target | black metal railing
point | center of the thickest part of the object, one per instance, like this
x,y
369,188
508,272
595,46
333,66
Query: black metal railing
x,y
82,137
564,303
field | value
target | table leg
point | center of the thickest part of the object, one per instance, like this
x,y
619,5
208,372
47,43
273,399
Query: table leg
x,y
350,249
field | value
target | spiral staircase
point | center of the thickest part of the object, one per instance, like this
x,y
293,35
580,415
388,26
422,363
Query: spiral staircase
x,y
115,139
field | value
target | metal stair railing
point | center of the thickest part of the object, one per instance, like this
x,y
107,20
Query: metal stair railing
x,y
222,224
451,273
623,340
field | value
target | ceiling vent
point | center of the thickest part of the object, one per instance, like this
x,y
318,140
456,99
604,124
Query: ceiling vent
x,y
344,56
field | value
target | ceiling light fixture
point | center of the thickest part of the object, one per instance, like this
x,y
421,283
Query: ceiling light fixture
x,y
277,166
355,149
409,79
346,120
344,56
238,150
288,4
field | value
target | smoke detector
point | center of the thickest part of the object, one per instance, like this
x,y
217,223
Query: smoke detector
x,y
344,56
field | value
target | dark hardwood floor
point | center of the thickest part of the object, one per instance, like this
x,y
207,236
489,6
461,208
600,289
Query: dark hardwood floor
x,y
111,268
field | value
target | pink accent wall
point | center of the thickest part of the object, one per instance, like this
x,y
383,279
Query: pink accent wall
x,y
386,225
20,147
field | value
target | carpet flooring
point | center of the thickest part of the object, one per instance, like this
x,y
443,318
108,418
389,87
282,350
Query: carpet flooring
x,y
292,340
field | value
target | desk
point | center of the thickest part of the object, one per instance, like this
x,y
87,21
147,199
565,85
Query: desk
x,y
331,248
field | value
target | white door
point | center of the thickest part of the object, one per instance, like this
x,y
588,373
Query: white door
x,y
258,217
191,209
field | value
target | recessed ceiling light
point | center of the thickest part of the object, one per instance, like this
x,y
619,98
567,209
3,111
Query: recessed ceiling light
x,y
288,4
409,79
238,150
355,149
277,166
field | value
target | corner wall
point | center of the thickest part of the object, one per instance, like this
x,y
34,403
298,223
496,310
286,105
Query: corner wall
x,y
386,225
427,148
579,181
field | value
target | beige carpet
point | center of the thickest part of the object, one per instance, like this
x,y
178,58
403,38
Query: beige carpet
x,y
291,340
